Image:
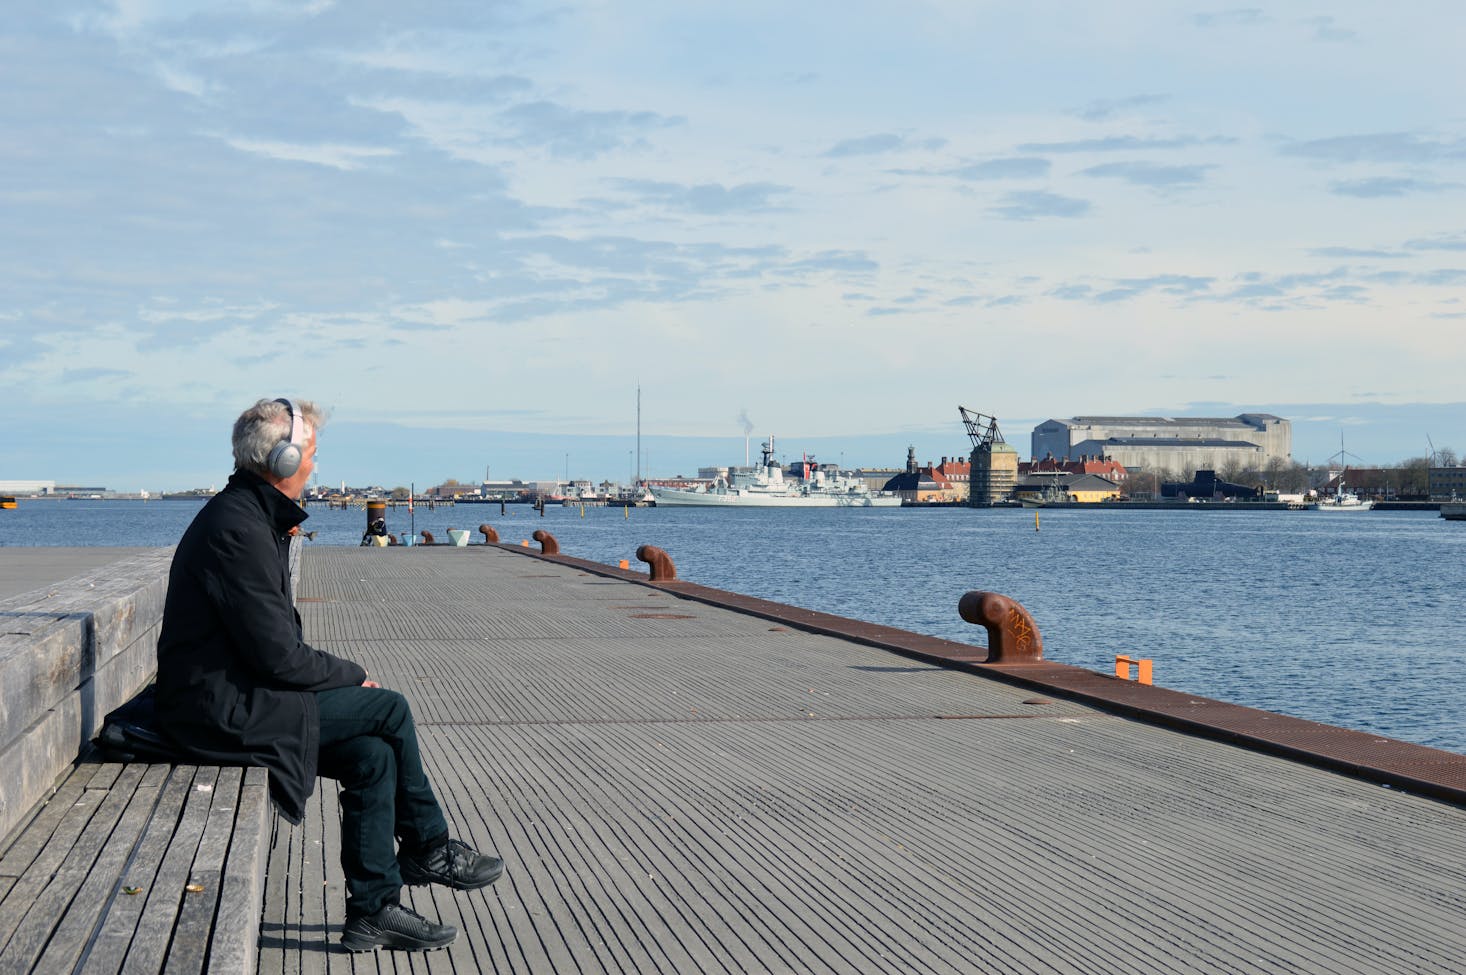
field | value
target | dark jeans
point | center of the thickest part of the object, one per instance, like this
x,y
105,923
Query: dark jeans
x,y
369,744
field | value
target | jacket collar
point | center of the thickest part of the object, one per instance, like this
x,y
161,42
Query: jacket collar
x,y
283,513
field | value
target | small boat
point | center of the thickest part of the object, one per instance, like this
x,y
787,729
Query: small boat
x,y
1340,500
1453,510
7,502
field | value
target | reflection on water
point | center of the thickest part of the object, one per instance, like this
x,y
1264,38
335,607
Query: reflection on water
x,y
1348,619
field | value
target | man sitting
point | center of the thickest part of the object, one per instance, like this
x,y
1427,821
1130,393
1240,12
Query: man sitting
x,y
237,684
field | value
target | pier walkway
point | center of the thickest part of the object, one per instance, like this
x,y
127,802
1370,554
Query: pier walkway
x,y
680,788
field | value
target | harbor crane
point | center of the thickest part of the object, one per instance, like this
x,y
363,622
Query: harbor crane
x,y
981,428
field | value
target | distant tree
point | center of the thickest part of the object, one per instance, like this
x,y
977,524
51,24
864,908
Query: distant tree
x,y
400,494
1446,457
1233,471
1284,476
451,482
1412,477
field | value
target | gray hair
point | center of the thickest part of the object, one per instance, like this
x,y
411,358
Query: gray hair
x,y
265,424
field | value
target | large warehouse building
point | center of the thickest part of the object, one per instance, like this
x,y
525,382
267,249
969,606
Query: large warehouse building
x,y
1182,444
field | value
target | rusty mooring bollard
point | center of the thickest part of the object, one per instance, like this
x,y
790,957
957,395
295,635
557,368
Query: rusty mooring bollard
x,y
1013,636
548,545
491,537
660,562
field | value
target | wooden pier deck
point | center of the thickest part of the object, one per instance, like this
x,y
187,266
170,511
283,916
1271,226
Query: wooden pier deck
x,y
681,788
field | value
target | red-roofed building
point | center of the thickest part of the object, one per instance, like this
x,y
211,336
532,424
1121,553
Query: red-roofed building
x,y
949,482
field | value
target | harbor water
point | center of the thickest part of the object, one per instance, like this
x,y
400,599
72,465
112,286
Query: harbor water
x,y
1350,619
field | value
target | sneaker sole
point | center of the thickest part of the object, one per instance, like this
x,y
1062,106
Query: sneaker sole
x,y
416,881
356,947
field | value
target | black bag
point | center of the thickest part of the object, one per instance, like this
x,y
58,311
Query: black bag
x,y
130,734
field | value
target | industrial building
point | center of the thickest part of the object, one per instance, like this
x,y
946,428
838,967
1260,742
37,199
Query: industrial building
x,y
1168,443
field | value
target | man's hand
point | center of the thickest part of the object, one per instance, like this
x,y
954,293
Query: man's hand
x,y
369,682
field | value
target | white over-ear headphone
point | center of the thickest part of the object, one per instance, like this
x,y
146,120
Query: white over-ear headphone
x,y
285,456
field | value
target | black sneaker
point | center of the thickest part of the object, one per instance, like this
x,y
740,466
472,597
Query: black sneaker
x,y
451,863
395,926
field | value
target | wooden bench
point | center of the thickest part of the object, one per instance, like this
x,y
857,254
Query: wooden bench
x,y
139,868
108,867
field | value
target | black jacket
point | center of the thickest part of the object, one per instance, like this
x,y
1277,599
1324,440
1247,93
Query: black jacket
x,y
235,678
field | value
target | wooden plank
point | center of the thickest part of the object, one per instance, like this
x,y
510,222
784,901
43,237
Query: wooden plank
x,y
102,882
33,835
314,857
149,946
333,886
234,944
273,951
48,908
110,946
195,919
23,893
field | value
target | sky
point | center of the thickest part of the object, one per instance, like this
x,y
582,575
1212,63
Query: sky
x,y
472,230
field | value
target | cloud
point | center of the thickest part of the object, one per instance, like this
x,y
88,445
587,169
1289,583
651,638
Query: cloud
x,y
1034,204
842,261
1441,242
874,145
167,310
344,158
1236,17
1256,289
1443,277
1389,147
184,82
705,198
1357,252
482,132
1381,186
1152,175
1123,289
576,133
91,375
1324,29
1125,143
1107,108
1014,167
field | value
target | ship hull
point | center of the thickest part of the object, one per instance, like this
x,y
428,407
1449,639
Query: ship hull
x,y
671,497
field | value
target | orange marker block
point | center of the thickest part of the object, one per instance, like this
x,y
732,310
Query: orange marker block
x,y
1144,669
625,564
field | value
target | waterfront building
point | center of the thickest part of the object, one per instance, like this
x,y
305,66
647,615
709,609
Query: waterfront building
x,y
875,478
994,474
13,488
1105,467
1447,482
1064,486
1246,441
944,483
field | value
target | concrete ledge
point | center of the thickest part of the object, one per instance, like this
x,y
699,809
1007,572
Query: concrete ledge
x,y
70,653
